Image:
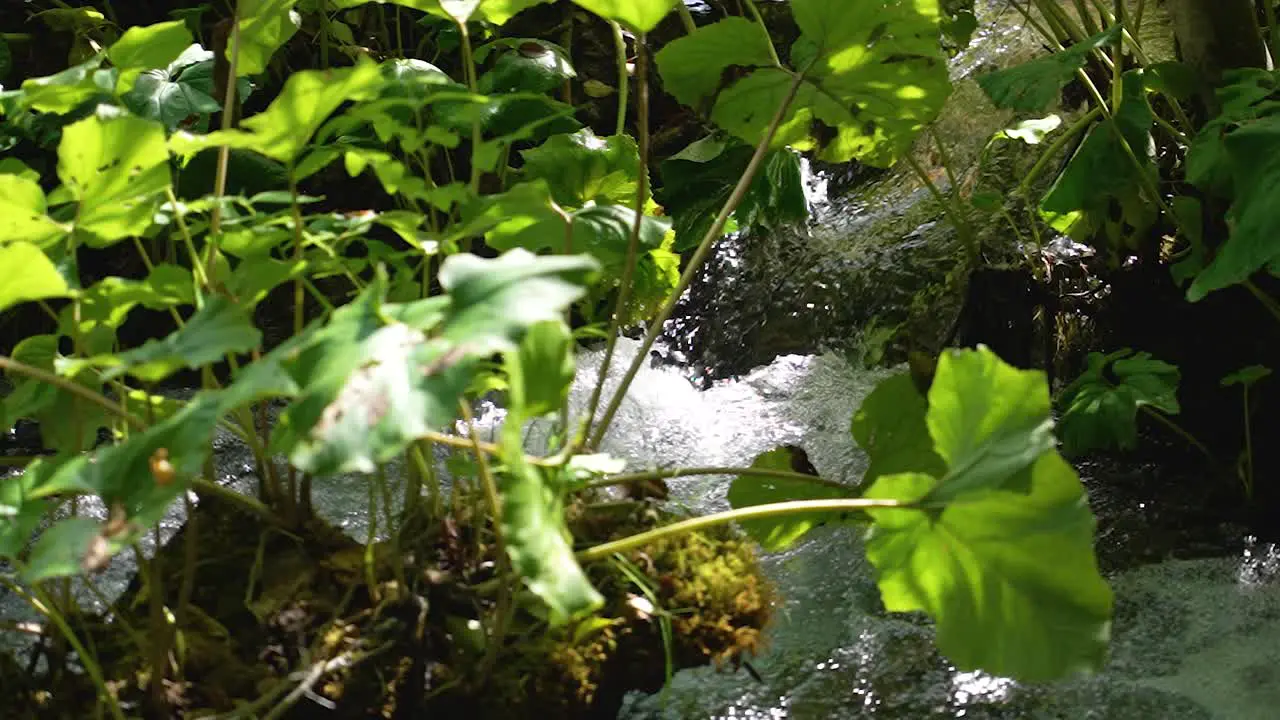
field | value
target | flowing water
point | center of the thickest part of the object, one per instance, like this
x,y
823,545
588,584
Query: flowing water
x,y
1192,638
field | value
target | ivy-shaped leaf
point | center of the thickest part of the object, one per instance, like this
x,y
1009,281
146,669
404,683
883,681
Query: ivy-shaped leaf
x,y
1101,167
524,65
582,168
692,67
493,301
1010,577
176,93
1000,550
1100,407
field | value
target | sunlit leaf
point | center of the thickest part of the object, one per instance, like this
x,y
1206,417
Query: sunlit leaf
x,y
27,274
117,168
581,167
104,306
779,533
150,46
493,301
890,426
283,130
639,15
692,66
1009,577
64,91
264,26
999,550
988,420
873,76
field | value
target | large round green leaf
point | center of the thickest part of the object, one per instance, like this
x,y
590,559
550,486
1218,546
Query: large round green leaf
x,y
1010,577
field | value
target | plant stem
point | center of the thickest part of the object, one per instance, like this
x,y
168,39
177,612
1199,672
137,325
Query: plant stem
x,y
624,83
469,73
43,604
503,609
961,225
224,152
1267,301
699,257
244,502
1179,431
689,472
1056,147
8,364
686,17
633,243
764,29
755,512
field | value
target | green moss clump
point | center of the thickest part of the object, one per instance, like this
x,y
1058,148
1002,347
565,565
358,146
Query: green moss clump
x,y
710,594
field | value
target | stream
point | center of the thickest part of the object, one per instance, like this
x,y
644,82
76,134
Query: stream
x,y
1192,639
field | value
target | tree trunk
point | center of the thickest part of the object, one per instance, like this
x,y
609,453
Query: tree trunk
x,y
1217,35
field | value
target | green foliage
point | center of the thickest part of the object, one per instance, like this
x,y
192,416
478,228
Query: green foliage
x,y
281,132
582,168
698,180
178,91
503,221
39,279
779,533
890,426
263,27
116,168
1251,154
873,77
999,549
1100,407
639,15
1246,376
1102,168
1034,85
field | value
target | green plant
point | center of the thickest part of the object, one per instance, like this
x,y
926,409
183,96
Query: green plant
x,y
1100,408
396,326
960,488
1246,378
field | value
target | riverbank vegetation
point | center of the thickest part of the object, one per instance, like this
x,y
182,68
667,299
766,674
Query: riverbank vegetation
x,y
328,230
